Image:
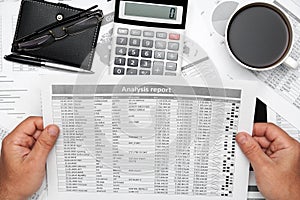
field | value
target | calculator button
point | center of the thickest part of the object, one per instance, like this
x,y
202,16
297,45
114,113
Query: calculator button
x,y
123,31
130,71
160,44
122,40
120,61
173,46
161,35
174,36
121,51
146,53
144,72
172,56
171,66
134,42
159,54
158,68
132,62
134,52
170,74
147,43
145,63
148,34
119,71
135,32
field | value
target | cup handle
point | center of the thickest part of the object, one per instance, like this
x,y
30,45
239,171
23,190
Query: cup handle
x,y
290,62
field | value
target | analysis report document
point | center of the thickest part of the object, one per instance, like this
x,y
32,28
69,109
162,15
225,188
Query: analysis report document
x,y
153,138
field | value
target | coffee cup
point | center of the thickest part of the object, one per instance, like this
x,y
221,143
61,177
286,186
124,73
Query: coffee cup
x,y
259,36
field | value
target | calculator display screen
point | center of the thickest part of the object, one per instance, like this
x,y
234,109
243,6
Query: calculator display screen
x,y
151,12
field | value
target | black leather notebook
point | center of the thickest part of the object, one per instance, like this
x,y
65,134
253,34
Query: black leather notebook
x,y
57,33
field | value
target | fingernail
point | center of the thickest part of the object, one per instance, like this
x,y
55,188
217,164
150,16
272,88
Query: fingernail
x,y
53,130
242,139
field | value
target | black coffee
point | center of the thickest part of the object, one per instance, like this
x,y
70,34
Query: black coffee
x,y
259,35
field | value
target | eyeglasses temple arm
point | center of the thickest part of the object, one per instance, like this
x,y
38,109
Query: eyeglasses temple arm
x,y
66,20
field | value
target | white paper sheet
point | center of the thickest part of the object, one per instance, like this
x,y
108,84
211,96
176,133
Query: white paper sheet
x,y
279,87
283,83
116,144
7,124
201,31
20,95
283,123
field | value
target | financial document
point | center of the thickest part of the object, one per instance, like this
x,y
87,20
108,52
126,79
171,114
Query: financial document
x,y
279,88
1,44
159,139
17,92
284,81
7,125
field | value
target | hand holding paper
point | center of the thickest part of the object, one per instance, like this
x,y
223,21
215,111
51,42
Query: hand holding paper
x,y
274,156
23,158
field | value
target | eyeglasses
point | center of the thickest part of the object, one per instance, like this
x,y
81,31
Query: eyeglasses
x,y
71,26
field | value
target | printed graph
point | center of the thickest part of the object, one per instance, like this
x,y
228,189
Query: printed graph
x,y
222,14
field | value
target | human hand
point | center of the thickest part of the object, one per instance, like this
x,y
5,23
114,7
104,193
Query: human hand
x,y
23,158
275,158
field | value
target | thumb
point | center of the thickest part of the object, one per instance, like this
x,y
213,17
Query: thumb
x,y
252,150
45,143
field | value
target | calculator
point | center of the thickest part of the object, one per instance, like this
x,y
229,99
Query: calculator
x,y
148,37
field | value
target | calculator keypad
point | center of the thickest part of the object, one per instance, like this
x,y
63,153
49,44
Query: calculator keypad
x,y
146,52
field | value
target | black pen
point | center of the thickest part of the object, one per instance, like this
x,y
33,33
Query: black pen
x,y
44,64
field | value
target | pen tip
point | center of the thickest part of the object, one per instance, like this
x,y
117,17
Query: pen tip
x,y
86,71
